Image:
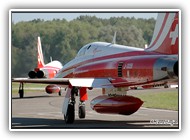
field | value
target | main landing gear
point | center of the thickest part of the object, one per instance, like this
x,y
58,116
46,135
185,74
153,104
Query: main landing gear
x,y
81,111
69,111
21,90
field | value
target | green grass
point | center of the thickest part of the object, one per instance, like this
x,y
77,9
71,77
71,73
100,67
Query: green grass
x,y
162,100
27,86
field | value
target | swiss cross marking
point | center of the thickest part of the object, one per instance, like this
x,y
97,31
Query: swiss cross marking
x,y
174,35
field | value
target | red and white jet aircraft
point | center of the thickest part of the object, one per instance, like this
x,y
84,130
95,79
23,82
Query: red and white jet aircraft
x,y
115,68
43,70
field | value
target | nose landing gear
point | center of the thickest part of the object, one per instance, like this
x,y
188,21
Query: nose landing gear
x,y
69,115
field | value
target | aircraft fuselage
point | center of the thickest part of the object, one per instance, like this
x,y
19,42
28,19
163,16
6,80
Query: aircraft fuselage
x,y
123,65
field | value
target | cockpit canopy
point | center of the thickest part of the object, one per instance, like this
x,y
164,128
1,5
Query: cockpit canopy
x,y
92,48
101,48
83,50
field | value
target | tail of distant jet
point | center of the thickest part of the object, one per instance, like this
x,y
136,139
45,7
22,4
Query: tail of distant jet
x,y
165,36
43,70
40,54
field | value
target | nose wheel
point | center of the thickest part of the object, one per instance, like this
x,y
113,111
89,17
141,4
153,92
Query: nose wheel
x,y
69,116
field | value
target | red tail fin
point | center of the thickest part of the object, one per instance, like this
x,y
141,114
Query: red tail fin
x,y
40,54
165,37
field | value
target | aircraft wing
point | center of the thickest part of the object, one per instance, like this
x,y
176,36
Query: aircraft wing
x,y
78,82
91,82
63,81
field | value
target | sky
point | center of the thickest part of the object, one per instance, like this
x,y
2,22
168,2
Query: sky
x,y
17,17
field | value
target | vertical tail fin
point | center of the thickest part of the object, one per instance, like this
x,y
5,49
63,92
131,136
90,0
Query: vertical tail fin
x,y
40,54
165,37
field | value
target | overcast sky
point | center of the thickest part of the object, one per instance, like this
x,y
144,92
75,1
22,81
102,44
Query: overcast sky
x,y
17,17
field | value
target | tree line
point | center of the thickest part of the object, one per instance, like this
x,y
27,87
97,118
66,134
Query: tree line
x,y
61,39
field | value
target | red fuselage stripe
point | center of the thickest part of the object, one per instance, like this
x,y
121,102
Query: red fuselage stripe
x,y
120,55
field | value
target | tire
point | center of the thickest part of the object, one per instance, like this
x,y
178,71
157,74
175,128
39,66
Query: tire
x,y
21,93
82,112
166,86
59,93
70,117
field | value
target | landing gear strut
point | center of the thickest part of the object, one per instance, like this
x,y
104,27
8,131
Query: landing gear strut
x,y
21,90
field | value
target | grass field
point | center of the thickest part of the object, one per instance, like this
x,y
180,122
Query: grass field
x,y
28,87
161,100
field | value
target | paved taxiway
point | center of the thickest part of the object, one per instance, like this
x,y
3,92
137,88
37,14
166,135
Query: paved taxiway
x,y
39,110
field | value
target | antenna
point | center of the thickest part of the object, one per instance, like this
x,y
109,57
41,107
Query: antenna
x,y
114,38
145,46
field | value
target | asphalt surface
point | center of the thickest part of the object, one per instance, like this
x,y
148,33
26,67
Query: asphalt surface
x,y
38,110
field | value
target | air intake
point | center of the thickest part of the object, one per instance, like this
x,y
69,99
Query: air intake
x,y
120,66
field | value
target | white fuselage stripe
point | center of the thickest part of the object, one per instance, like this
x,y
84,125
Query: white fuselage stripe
x,y
164,33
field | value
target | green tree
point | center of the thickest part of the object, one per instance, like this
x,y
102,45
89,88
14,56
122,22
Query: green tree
x,y
62,39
